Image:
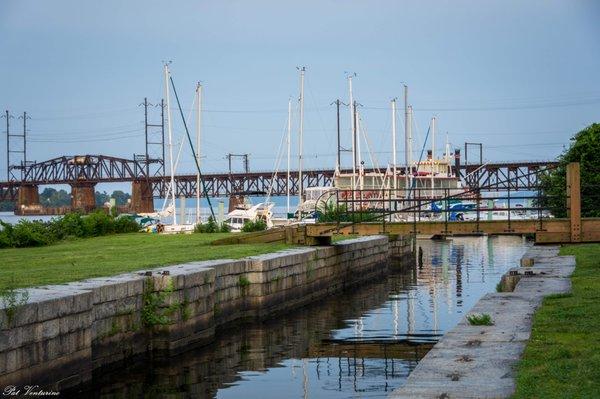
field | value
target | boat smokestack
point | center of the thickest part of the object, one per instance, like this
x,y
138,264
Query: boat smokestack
x,y
457,161
429,155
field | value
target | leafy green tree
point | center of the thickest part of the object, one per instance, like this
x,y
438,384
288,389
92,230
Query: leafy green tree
x,y
7,206
102,198
120,197
585,149
53,197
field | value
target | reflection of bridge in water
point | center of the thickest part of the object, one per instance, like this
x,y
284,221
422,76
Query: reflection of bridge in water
x,y
83,172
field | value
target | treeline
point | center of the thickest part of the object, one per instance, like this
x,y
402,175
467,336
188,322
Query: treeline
x,y
51,197
28,233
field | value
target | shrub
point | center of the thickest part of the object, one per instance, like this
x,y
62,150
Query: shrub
x,y
6,235
211,226
476,319
332,212
125,224
12,300
28,233
225,228
34,233
70,224
98,224
258,225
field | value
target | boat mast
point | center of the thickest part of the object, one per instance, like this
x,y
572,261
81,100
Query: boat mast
x,y
353,132
394,162
198,148
432,153
406,163
410,146
357,138
289,141
448,168
301,135
170,142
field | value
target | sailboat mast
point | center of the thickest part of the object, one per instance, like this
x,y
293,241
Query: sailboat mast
x,y
301,135
353,131
170,141
289,141
357,138
394,161
406,163
447,155
198,147
432,153
410,146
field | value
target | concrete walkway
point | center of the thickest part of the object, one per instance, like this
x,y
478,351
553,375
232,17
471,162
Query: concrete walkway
x,y
479,361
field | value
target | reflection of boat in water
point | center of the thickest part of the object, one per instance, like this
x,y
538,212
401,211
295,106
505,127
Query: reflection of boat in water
x,y
245,212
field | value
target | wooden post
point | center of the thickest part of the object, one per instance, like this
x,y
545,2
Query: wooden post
x,y
574,200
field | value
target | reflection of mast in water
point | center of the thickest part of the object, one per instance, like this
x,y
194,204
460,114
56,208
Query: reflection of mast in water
x,y
410,312
445,264
490,250
361,326
459,276
305,378
395,314
434,306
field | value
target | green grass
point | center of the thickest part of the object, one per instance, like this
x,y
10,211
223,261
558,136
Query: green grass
x,y
109,255
343,237
562,358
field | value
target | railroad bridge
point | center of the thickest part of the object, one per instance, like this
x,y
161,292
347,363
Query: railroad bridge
x,y
83,172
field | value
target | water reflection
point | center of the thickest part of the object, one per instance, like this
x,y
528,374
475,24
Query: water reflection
x,y
362,343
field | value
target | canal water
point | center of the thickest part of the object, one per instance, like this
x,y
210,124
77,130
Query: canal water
x,y
357,344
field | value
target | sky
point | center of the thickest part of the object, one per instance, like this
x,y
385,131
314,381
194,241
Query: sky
x,y
519,77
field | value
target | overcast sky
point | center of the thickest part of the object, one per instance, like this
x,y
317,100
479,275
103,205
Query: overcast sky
x,y
521,77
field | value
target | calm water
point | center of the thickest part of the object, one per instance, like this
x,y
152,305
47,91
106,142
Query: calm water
x,y
362,343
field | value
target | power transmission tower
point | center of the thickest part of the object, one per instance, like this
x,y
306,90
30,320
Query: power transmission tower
x,y
245,159
340,149
14,148
154,133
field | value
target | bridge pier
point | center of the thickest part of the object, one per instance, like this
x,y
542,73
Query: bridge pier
x,y
141,197
83,196
28,195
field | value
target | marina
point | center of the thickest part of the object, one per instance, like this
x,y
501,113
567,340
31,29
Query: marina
x,y
314,200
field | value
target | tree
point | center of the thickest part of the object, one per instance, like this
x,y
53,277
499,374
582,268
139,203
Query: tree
x,y
585,149
53,197
120,197
102,198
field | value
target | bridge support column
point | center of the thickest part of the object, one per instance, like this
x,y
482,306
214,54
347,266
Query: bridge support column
x,y
28,195
141,197
83,196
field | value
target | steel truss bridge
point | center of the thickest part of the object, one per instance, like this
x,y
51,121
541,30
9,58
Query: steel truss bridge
x,y
93,169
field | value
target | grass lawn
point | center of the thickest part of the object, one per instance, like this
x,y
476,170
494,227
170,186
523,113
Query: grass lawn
x,y
562,359
109,255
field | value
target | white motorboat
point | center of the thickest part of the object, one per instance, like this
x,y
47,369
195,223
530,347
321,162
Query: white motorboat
x,y
246,212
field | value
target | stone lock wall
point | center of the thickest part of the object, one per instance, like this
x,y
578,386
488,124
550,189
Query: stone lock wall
x,y
63,332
